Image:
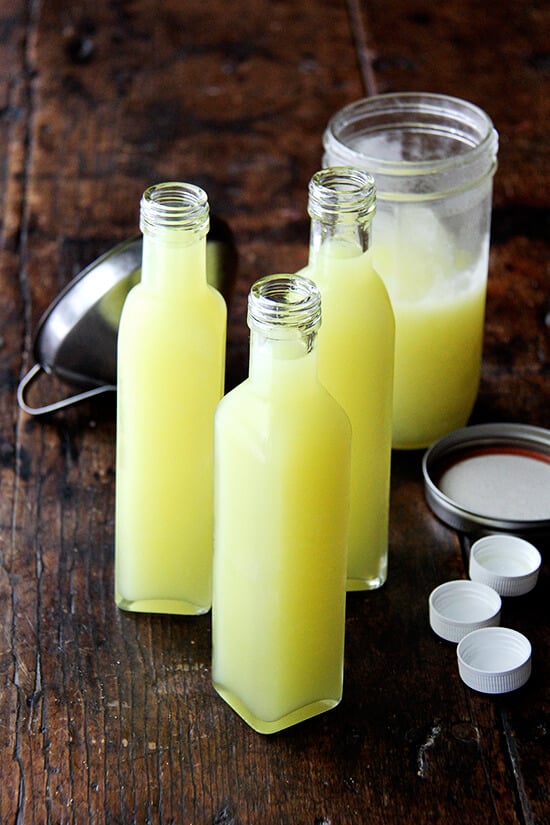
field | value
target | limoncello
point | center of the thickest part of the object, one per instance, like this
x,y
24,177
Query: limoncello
x,y
438,297
356,355
282,476
171,353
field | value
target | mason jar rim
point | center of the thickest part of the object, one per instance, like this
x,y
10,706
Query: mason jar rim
x,y
407,104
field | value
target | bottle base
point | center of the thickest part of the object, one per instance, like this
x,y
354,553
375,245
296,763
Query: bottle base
x,y
171,606
275,725
365,584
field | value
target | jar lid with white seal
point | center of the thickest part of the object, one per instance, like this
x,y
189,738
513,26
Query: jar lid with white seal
x,y
491,478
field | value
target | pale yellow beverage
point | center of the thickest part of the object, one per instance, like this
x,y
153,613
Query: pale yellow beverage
x,y
438,347
171,349
356,350
282,466
438,298
433,158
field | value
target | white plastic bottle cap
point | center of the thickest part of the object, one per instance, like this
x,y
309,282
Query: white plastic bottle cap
x,y
508,564
494,659
458,607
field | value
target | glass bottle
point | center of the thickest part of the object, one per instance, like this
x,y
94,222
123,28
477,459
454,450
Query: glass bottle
x,y
356,351
171,355
281,492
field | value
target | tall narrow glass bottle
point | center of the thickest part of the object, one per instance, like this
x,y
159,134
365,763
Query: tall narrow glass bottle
x,y
356,352
281,491
171,354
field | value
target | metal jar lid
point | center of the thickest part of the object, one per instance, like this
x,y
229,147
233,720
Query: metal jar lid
x,y
491,478
76,338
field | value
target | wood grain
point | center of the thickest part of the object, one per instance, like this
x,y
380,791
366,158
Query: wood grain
x,y
107,717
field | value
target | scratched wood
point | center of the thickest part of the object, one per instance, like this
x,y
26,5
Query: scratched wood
x,y
107,717
492,56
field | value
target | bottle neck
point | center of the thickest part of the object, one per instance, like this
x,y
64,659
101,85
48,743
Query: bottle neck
x,y
341,206
174,220
282,362
284,314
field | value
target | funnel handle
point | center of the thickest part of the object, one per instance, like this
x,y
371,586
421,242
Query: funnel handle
x,y
33,374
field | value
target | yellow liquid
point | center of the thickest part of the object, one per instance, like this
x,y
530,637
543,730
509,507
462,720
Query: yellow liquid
x,y
438,298
438,348
171,350
282,499
356,350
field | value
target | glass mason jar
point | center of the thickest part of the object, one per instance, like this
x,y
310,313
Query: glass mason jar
x,y
433,158
281,504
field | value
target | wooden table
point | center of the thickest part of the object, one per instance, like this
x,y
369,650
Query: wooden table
x,y
108,717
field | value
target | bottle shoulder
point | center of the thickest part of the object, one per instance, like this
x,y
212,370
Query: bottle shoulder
x,y
338,414
345,275
281,404
217,300
178,302
360,302
172,323
271,428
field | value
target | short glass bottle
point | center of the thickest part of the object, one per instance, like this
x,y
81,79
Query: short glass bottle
x,y
171,359
356,351
281,491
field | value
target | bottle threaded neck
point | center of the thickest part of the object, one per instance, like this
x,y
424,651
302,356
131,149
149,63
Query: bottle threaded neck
x,y
281,306
174,206
342,193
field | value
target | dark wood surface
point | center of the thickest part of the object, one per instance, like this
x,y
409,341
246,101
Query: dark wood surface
x,y
107,717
